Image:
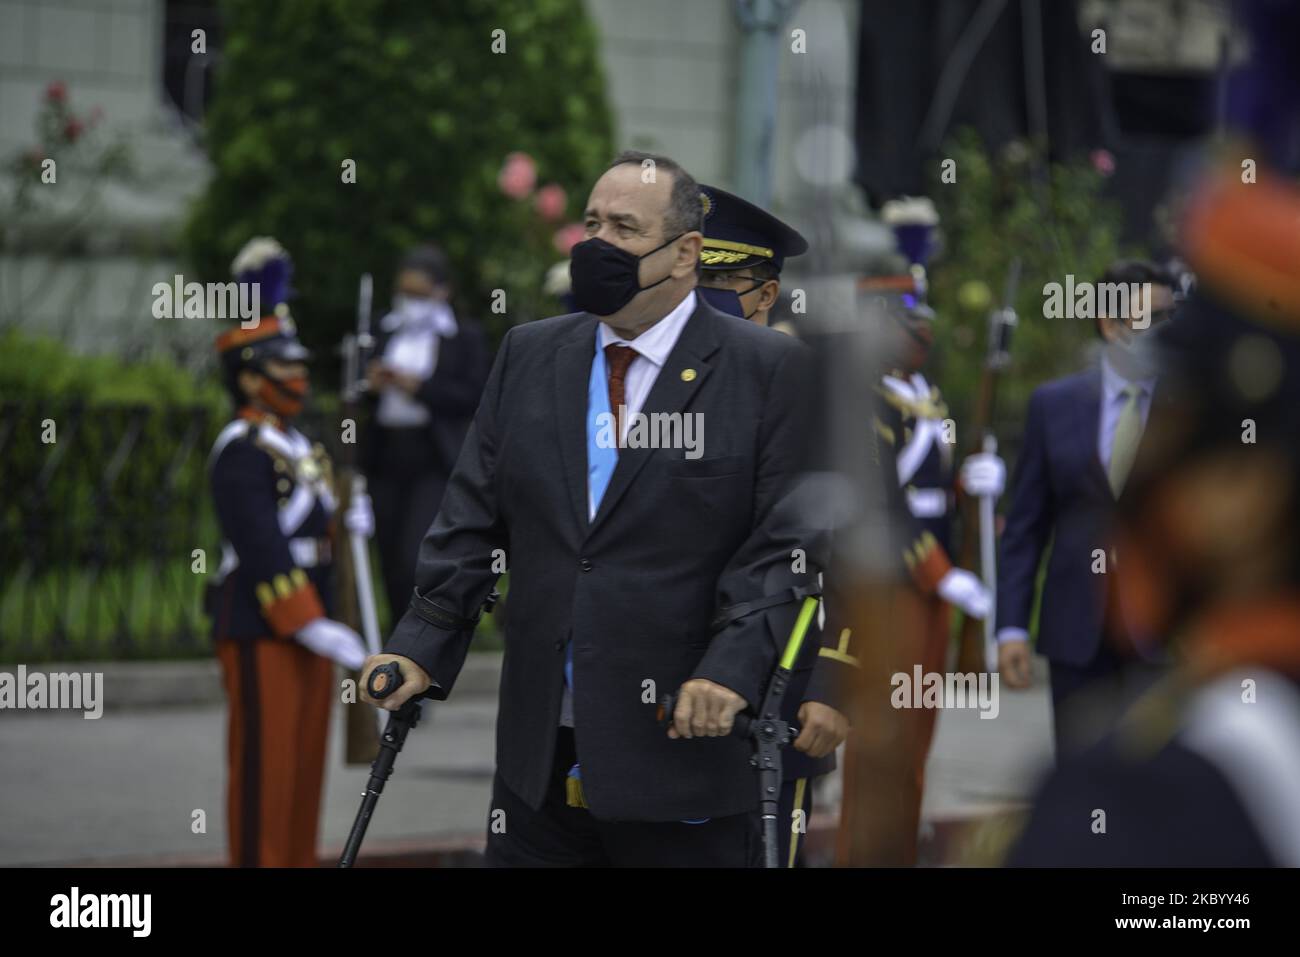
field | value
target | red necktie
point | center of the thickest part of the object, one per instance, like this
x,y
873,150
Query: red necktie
x,y
617,359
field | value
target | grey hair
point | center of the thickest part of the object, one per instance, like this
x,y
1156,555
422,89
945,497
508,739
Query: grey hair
x,y
685,212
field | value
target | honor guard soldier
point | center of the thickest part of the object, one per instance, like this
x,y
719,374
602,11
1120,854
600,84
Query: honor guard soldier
x,y
270,600
1204,769
911,425
744,250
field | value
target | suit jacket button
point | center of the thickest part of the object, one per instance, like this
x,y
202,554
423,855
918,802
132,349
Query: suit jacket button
x,y
559,645
585,564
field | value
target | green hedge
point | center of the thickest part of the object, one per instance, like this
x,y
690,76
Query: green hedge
x,y
38,368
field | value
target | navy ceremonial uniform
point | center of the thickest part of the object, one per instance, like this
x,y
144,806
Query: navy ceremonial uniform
x,y
909,424
274,500
274,504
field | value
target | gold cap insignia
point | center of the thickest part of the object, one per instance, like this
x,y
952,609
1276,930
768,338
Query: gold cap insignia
x,y
725,251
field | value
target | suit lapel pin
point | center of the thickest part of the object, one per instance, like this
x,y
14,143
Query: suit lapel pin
x,y
688,375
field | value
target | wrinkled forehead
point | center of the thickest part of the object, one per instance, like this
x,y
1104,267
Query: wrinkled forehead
x,y
630,192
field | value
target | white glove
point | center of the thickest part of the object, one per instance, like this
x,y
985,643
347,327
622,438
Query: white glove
x,y
359,519
961,588
334,640
983,474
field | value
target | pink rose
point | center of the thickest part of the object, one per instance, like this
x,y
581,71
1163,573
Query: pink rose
x,y
56,92
1103,161
566,237
72,129
518,176
550,202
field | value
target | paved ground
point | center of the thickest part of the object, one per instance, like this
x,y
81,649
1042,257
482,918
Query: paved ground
x,y
126,785
977,764
123,788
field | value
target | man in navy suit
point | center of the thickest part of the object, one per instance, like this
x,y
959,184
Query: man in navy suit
x,y
1081,436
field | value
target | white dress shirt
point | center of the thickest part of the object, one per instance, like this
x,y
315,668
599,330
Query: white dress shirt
x,y
652,348
412,350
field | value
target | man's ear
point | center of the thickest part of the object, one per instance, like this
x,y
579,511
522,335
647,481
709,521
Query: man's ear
x,y
768,293
688,254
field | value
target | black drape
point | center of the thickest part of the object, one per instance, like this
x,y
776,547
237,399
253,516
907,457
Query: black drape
x,y
903,51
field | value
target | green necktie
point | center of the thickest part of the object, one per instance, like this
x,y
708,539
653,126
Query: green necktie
x,y
1123,448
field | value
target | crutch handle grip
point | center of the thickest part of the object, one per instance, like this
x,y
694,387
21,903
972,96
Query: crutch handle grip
x,y
384,680
741,724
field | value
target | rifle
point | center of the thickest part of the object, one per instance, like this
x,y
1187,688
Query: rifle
x,y
977,646
355,584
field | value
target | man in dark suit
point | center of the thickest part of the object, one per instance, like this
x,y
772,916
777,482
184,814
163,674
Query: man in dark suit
x,y
1081,436
621,553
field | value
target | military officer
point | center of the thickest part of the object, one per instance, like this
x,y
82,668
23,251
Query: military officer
x,y
270,599
744,250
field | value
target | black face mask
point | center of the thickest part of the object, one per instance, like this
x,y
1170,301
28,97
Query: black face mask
x,y
604,278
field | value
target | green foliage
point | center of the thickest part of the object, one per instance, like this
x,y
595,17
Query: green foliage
x,y
1000,208
138,610
415,95
41,368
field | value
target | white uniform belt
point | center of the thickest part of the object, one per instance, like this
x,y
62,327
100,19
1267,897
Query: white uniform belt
x,y
306,553
310,552
927,502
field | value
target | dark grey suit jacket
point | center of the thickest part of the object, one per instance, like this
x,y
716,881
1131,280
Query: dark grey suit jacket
x,y
674,540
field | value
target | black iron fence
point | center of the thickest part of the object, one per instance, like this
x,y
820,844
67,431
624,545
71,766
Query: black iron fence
x,y
107,532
